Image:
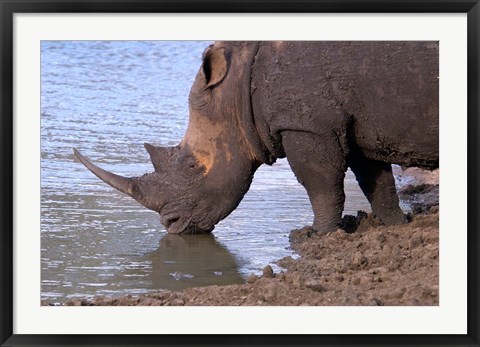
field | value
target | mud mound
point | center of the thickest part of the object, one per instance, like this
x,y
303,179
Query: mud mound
x,y
375,265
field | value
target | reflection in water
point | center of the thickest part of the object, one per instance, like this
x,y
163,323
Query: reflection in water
x,y
192,260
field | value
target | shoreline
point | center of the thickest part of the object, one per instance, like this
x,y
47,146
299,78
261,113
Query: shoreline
x,y
370,264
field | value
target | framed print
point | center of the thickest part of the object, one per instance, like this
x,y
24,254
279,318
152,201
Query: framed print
x,y
202,173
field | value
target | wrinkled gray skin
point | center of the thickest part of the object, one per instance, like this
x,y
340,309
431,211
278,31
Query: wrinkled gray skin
x,y
326,106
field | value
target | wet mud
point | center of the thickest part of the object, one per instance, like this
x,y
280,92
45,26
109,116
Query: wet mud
x,y
362,263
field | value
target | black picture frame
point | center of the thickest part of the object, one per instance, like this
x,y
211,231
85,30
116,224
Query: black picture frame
x,y
9,7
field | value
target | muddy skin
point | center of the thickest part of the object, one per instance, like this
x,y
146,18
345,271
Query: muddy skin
x,y
326,106
363,263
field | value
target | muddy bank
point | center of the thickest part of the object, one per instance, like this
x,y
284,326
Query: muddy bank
x,y
363,263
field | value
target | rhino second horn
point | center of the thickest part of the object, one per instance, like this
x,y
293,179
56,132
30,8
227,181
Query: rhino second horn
x,y
123,184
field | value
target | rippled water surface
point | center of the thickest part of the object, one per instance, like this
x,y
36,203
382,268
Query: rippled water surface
x,y
107,98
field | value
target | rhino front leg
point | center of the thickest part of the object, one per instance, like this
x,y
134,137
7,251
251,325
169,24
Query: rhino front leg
x,y
378,184
320,167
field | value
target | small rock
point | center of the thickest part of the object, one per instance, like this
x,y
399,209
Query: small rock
x,y
252,279
359,260
415,241
268,271
376,302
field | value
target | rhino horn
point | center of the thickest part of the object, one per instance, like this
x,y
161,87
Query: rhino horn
x,y
123,184
158,155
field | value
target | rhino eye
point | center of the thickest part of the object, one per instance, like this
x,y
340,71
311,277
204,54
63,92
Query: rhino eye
x,y
190,162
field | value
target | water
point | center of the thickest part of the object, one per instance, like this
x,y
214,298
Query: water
x,y
107,98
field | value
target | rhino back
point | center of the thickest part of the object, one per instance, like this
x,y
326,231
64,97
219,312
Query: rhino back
x,y
383,95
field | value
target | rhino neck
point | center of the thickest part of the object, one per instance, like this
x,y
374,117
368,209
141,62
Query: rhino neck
x,y
228,164
239,82
271,140
229,180
248,123
222,134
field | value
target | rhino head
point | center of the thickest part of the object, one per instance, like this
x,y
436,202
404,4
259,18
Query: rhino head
x,y
203,179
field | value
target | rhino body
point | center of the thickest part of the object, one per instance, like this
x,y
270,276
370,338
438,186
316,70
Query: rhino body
x,y
325,106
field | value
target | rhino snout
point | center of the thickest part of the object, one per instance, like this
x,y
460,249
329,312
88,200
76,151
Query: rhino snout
x,y
177,224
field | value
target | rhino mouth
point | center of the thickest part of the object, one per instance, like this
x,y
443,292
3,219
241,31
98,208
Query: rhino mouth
x,y
177,224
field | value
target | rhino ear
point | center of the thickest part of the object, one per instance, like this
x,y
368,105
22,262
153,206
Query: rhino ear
x,y
215,65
